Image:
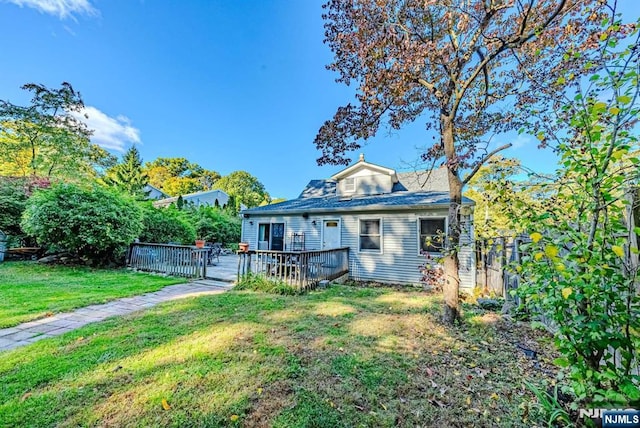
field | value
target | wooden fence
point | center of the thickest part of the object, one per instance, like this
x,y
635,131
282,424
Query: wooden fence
x,y
492,257
300,269
175,260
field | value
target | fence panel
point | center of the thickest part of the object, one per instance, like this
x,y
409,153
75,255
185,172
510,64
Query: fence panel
x,y
174,260
300,269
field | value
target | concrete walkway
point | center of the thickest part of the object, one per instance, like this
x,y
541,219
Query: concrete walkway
x,y
58,324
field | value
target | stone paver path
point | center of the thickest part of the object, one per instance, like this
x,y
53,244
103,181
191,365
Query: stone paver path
x,y
32,331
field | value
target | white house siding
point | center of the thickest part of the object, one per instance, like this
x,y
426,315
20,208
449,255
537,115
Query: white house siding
x,y
367,183
153,193
208,198
292,224
399,260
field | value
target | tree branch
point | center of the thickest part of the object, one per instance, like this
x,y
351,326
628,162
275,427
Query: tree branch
x,y
517,40
482,161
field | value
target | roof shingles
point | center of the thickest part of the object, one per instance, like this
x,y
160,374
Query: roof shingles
x,y
425,189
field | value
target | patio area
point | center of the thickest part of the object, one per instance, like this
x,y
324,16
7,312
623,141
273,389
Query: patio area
x,y
226,269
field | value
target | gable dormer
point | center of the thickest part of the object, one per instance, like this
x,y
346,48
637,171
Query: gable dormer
x,y
364,178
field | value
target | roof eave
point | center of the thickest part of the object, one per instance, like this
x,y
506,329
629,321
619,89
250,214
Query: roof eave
x,y
376,207
362,164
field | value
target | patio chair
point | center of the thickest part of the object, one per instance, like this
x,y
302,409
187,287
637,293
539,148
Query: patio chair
x,y
215,250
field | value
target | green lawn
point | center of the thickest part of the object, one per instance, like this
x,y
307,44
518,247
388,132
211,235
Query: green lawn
x,y
30,290
344,356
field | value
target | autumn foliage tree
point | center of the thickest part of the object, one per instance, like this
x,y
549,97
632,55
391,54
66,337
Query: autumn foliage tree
x,y
452,59
179,176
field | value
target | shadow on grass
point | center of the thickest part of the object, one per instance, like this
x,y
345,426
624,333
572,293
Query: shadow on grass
x,y
341,357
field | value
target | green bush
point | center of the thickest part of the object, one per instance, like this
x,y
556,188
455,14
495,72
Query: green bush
x,y
215,225
95,223
13,200
166,225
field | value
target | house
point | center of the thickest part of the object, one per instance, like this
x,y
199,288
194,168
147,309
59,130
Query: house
x,y
388,220
153,192
211,198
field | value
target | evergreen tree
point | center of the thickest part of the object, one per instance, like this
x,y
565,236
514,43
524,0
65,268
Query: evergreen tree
x,y
128,175
180,203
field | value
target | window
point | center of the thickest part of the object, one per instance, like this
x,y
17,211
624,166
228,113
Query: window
x,y
432,234
349,185
264,236
370,235
271,236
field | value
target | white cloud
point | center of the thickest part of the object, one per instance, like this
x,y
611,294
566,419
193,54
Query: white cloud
x,y
60,8
521,141
109,132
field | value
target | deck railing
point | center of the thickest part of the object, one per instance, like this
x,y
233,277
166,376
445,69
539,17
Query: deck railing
x,y
174,260
300,269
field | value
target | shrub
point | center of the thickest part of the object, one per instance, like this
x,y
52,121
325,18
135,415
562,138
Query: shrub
x,y
13,200
215,225
95,223
259,283
165,225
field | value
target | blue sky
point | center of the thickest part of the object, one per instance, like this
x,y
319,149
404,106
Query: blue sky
x,y
232,85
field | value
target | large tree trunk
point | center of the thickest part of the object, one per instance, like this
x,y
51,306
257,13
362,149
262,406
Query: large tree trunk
x,y
451,310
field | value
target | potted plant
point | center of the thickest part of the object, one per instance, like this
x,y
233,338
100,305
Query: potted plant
x,y
200,243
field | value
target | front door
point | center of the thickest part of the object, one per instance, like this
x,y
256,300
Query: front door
x,y
330,234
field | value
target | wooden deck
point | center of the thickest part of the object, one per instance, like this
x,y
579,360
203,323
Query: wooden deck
x,y
300,269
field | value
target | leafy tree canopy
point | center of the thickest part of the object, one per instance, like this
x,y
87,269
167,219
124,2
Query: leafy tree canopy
x,y
179,176
452,59
46,138
245,188
500,193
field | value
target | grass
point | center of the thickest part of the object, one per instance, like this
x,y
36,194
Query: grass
x,y
344,356
29,291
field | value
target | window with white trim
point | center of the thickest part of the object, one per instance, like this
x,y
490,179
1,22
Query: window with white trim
x,y
371,235
432,234
349,185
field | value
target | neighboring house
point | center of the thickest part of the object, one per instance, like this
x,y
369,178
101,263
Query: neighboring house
x,y
207,197
388,220
153,192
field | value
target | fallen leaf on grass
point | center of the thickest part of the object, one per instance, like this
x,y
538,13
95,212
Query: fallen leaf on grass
x,y
165,404
25,396
437,403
